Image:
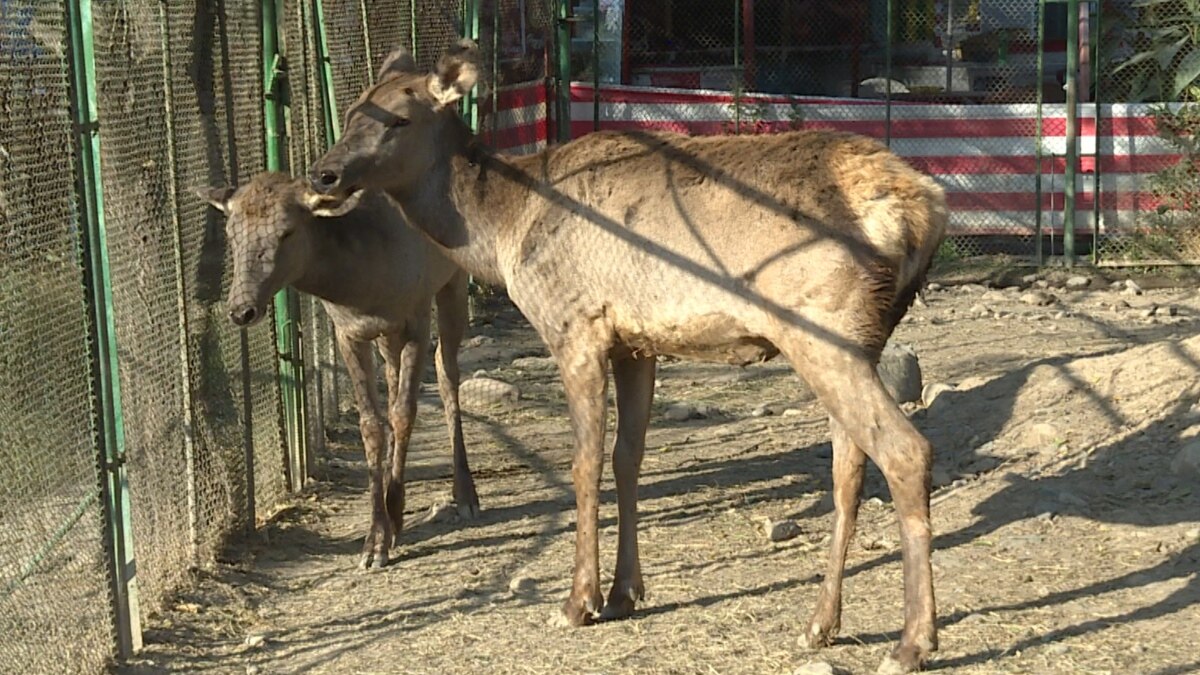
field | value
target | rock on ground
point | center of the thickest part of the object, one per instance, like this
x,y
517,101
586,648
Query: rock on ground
x,y
1038,298
680,412
780,530
483,392
814,668
1187,461
534,363
901,372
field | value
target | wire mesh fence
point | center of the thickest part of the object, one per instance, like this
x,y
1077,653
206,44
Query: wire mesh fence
x,y
53,580
972,92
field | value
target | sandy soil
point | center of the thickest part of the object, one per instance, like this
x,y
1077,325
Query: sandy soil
x,y
1065,542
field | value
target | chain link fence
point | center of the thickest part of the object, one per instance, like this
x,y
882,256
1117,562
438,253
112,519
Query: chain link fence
x,y
54,587
972,92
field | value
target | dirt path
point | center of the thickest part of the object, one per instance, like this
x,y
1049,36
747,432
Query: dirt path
x,y
1064,541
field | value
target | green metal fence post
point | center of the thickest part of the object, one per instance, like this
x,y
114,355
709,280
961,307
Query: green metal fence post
x,y
1038,150
1069,175
739,84
106,381
329,109
471,30
887,73
287,302
1094,39
563,70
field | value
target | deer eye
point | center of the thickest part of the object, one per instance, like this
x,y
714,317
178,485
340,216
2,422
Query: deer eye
x,y
400,122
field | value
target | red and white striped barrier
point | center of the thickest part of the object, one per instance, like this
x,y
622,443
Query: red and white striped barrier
x,y
521,124
984,155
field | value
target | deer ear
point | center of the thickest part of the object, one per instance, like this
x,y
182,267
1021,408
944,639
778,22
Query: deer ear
x,y
399,62
218,197
456,73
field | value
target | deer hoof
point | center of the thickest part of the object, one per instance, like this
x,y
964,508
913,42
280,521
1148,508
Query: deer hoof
x,y
579,614
373,561
904,659
467,510
820,636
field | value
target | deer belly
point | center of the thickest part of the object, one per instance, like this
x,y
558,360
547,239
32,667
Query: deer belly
x,y
713,337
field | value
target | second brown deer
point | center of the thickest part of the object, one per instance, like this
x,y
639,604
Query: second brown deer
x,y
377,278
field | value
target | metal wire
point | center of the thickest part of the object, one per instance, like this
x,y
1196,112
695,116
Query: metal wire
x,y
54,602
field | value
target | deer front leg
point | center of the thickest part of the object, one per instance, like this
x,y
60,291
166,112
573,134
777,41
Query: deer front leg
x,y
634,378
360,367
452,325
404,354
849,462
586,387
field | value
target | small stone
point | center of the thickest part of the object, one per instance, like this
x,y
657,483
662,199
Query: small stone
x,y
1059,315
484,392
442,512
1038,298
1029,279
479,341
1046,516
1040,434
792,412
253,670
1187,461
679,412
933,287
480,373
521,585
255,641
874,502
994,296
780,530
706,411
1041,283
1058,649
762,411
973,288
1192,536
931,391
814,668
535,363
979,310
1078,282
901,372
1132,288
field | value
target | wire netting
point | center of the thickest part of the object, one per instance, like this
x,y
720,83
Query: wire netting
x,y
439,24
348,57
139,215
54,592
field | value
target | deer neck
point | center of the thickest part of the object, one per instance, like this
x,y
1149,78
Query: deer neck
x,y
454,211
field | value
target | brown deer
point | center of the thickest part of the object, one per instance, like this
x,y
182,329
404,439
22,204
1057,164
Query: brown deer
x,y
377,278
619,247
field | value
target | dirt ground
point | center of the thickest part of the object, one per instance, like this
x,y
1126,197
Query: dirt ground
x,y
1064,541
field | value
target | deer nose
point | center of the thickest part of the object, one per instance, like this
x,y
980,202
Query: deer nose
x,y
243,316
324,180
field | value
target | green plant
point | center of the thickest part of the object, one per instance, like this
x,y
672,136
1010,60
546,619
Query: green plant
x,y
1165,36
1173,227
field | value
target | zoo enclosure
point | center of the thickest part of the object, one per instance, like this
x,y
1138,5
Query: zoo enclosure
x,y
141,430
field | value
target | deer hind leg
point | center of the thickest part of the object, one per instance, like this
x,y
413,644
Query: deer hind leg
x,y
582,365
848,463
360,366
404,355
452,325
845,380
634,378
